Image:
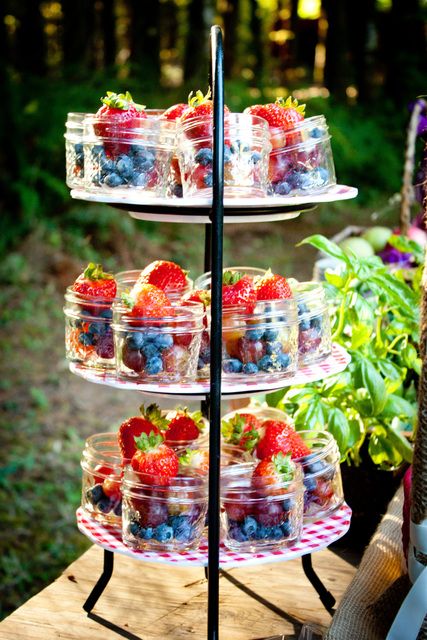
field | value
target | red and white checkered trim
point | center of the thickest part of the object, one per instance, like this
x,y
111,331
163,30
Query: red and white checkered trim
x,y
315,536
335,363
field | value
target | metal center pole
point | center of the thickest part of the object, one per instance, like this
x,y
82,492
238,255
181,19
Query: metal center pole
x,y
217,214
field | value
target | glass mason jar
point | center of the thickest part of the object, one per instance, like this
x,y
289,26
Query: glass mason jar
x,y
151,349
164,518
314,326
101,464
260,344
322,475
88,332
257,518
246,151
126,279
74,155
301,160
137,158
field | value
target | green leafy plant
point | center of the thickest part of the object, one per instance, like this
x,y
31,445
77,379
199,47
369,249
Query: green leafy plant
x,y
371,406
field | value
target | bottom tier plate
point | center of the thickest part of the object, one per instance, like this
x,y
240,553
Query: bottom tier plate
x,y
335,363
316,535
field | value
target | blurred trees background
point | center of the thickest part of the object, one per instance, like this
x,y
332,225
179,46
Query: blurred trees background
x,y
367,58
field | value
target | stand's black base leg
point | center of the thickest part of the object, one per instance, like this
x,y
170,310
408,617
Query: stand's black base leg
x,y
326,597
102,581
206,573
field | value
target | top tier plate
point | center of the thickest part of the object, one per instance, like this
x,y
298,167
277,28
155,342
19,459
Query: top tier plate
x,y
197,210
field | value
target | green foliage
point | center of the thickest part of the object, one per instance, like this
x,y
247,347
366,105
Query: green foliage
x,y
375,317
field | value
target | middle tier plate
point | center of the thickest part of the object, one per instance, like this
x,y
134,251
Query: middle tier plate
x,y
335,363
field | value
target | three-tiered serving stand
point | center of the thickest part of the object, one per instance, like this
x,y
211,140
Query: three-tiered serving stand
x,y
211,554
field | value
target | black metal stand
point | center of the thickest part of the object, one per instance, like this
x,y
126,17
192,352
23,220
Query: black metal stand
x,y
103,580
326,597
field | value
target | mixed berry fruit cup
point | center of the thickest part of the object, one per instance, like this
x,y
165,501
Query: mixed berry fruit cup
x,y
322,475
255,521
314,326
88,332
301,161
74,154
163,517
137,158
246,151
262,343
151,349
126,280
101,464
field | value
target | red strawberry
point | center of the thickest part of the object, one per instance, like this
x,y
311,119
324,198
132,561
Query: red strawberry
x,y
274,439
150,420
111,487
281,116
175,111
271,286
196,460
198,295
164,274
272,472
184,426
200,106
238,290
118,114
101,471
242,429
147,300
297,446
94,282
154,461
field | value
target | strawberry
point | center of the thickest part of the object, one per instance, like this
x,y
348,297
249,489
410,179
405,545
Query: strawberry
x,y
196,460
242,429
200,106
94,282
147,300
150,420
297,446
272,472
198,295
112,487
164,274
281,116
153,460
175,111
118,114
271,286
184,426
275,438
238,290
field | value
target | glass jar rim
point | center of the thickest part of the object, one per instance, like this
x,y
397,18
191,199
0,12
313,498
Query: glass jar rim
x,y
80,298
244,470
304,291
277,413
131,277
102,447
190,311
205,279
264,310
307,123
330,446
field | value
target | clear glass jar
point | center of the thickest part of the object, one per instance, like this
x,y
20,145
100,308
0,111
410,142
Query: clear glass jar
x,y
88,331
314,326
137,158
258,518
158,349
246,150
126,280
101,464
260,344
74,154
322,475
164,518
301,160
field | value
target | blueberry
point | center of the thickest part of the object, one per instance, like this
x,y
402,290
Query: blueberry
x,y
286,528
306,182
154,366
302,308
135,340
233,365
304,325
262,532
177,190
208,179
184,532
150,350
86,339
78,147
227,154
254,334
97,152
256,157
314,467
107,313
250,368
287,504
266,363
163,533
134,528
283,361
273,348
204,156
104,505
282,188
249,527
106,166
270,334
163,341
113,180
146,533
96,328
118,509
317,132
200,363
76,324
139,179
142,156
310,483
205,355
276,533
236,533
323,174
316,323
95,494
150,336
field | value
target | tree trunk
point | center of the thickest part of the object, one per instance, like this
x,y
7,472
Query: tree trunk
x,y
257,43
31,45
195,60
360,16
231,19
108,27
78,29
145,38
336,66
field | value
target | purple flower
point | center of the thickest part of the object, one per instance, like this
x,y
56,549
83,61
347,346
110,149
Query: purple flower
x,y
390,255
